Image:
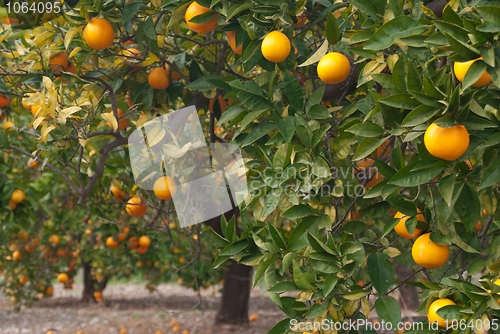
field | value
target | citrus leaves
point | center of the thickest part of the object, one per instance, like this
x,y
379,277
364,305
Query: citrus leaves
x,y
381,271
333,33
401,26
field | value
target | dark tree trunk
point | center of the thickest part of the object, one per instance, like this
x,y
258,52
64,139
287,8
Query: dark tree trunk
x,y
233,308
90,284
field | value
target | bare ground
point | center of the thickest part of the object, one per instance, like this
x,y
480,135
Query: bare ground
x,y
131,306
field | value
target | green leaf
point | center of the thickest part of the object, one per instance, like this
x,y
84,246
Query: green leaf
x,y
355,295
454,30
390,225
231,113
463,49
468,207
417,173
381,271
477,265
284,287
419,115
491,175
395,29
333,33
298,233
294,92
318,309
219,241
450,313
367,146
261,130
276,236
349,248
4,140
250,94
233,10
365,6
299,277
282,327
318,246
235,248
490,14
366,130
297,212
388,310
446,186
282,157
318,111
329,284
402,100
474,72
399,74
271,202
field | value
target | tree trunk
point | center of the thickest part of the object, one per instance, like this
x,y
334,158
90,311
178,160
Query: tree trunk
x,y
90,284
235,295
408,293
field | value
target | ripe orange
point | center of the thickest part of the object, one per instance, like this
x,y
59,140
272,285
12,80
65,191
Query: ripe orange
x,y
59,62
158,332
133,243
119,195
123,331
432,315
231,37
301,20
158,78
32,163
54,239
111,242
173,322
17,255
446,143
23,279
165,187
62,278
121,236
478,226
4,101
49,291
136,207
12,205
185,331
130,55
18,196
99,34
428,254
8,125
400,228
11,20
142,250
365,163
222,104
461,68
485,212
22,235
144,241
176,329
334,68
196,9
122,121
385,148
276,46
253,317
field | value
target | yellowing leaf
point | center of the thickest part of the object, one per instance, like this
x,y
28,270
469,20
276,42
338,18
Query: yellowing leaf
x,y
75,51
151,59
70,35
110,119
323,49
49,85
365,307
82,141
155,135
46,130
65,113
38,121
391,251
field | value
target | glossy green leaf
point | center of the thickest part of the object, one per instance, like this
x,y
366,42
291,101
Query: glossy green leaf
x,y
399,27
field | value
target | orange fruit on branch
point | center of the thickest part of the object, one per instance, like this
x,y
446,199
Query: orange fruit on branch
x,y
158,78
371,172
231,37
8,125
17,196
446,143
400,228
428,254
62,278
144,241
222,104
165,187
59,62
111,242
334,68
99,34
17,255
4,101
54,239
461,68
32,163
196,9
276,46
432,315
136,207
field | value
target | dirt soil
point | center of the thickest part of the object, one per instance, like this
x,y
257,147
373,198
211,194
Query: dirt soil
x,y
131,306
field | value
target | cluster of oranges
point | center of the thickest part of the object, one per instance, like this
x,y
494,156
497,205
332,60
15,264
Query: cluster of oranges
x,y
16,198
176,328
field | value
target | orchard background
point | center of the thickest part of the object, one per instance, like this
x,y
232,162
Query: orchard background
x,y
370,133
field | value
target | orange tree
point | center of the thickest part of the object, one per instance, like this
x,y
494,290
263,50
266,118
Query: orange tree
x,y
399,120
